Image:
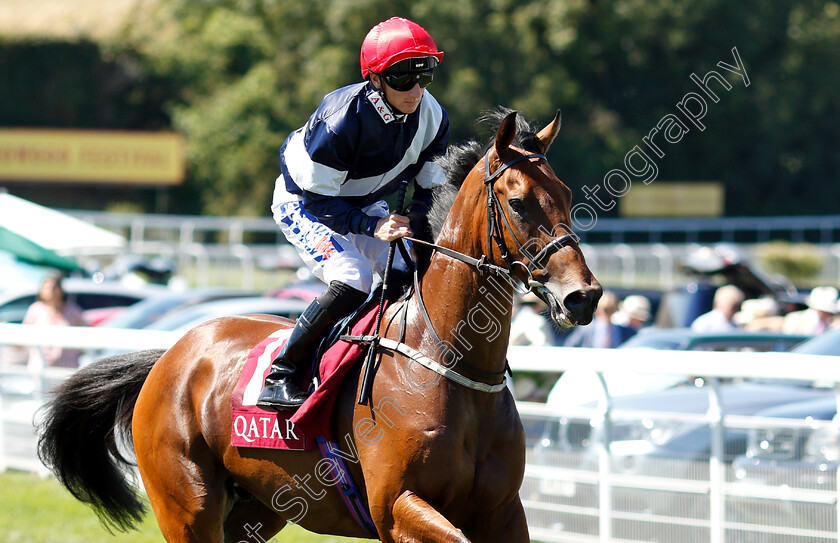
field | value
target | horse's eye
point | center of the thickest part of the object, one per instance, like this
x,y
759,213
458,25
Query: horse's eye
x,y
517,206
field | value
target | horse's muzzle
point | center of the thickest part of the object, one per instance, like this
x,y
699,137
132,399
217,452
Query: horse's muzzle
x,y
580,304
573,308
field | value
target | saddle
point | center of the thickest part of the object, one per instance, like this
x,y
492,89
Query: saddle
x,y
400,283
311,425
256,427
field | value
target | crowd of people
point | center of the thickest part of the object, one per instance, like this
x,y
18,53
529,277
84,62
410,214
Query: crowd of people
x,y
616,320
614,323
731,311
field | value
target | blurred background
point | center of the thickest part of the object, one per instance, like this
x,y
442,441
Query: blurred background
x,y
234,77
139,138
138,152
178,107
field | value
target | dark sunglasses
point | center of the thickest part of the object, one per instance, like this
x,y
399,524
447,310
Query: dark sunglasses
x,y
406,82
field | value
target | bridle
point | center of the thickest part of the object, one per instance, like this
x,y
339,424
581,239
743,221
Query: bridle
x,y
496,234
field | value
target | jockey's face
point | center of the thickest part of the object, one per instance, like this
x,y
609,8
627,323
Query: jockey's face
x,y
406,102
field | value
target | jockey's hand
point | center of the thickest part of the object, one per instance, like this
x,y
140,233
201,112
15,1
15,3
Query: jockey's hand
x,y
392,227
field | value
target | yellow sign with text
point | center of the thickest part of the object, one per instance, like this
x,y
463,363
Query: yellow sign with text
x,y
672,199
79,156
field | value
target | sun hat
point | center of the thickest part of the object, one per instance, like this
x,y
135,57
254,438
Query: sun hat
x,y
823,299
636,306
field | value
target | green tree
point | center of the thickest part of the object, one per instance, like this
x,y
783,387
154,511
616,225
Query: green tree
x,y
242,74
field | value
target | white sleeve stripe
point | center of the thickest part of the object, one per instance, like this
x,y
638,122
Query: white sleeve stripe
x,y
308,174
431,175
320,179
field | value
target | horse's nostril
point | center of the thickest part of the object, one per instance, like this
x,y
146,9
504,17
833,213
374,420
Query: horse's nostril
x,y
576,300
581,301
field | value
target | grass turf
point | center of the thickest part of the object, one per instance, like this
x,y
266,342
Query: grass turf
x,y
35,510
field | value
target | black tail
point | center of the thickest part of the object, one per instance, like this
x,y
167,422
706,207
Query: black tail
x,y
78,435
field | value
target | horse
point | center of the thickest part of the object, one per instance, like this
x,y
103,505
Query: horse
x,y
450,455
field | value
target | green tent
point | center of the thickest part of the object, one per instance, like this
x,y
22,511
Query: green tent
x,y
29,251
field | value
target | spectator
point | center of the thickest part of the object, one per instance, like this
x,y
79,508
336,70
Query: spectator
x,y
726,303
632,316
601,332
759,314
51,308
822,306
529,325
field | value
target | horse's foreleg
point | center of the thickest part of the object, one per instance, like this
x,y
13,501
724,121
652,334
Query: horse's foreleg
x,y
416,521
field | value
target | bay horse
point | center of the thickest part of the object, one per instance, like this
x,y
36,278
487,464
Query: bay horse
x,y
451,457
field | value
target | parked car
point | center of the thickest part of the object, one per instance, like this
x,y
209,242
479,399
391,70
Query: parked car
x,y
688,434
543,385
827,344
685,339
578,386
147,311
660,448
659,441
799,457
85,293
185,319
788,473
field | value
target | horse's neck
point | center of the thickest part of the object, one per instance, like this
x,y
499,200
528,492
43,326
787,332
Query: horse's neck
x,y
470,312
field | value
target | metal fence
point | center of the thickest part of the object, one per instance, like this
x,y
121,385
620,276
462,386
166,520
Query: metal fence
x,y
599,493
21,394
246,252
187,229
590,475
606,473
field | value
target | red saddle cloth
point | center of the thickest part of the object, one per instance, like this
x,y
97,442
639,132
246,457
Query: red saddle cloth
x,y
293,430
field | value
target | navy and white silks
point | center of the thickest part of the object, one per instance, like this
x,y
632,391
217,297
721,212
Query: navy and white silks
x,y
336,170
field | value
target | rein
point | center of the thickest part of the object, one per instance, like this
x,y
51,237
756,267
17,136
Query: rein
x,y
498,380
494,233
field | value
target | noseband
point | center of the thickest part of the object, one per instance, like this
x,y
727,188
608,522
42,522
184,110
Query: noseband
x,y
496,234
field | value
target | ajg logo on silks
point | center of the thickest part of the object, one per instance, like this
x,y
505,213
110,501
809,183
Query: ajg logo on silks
x,y
379,104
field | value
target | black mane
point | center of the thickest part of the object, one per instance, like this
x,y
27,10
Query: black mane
x,y
460,159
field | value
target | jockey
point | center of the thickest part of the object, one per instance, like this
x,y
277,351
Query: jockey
x,y
355,150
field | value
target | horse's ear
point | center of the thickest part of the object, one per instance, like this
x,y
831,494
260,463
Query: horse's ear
x,y
547,134
506,133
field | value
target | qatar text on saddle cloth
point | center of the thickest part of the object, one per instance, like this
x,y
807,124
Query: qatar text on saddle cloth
x,y
293,430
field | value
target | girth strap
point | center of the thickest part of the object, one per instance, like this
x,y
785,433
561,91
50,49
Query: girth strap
x,y
350,493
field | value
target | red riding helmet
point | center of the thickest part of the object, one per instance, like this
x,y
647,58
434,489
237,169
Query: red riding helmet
x,y
394,40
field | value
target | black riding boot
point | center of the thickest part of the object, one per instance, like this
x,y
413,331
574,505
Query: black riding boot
x,y
281,391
